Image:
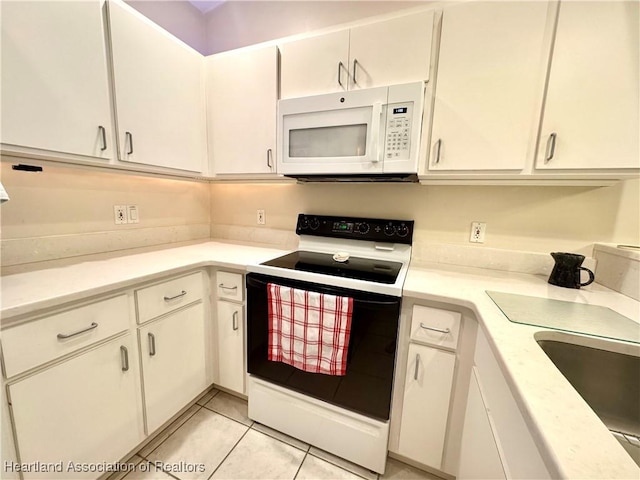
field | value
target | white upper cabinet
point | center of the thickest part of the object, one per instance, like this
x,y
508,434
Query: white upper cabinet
x,y
55,89
397,50
315,65
590,117
391,52
242,94
488,87
159,94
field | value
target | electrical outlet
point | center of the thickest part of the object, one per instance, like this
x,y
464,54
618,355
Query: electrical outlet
x,y
478,230
120,214
261,218
133,216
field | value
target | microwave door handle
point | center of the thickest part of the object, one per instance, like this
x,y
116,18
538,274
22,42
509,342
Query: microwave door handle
x,y
375,127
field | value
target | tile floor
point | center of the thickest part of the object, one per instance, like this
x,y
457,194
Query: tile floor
x,y
215,439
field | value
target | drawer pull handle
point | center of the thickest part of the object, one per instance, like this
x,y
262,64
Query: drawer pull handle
x,y
181,294
62,336
223,286
124,357
234,321
446,330
415,373
152,344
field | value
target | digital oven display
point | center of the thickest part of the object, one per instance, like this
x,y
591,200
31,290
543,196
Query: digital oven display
x,y
342,227
399,110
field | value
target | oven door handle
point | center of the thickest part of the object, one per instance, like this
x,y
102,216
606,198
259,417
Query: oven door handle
x,y
253,282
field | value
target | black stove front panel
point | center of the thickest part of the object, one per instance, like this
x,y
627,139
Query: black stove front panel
x,y
372,270
366,387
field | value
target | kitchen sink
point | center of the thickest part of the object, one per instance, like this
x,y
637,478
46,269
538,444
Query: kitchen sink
x,y
609,381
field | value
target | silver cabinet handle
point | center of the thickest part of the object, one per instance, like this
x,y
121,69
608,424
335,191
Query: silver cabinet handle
x,y
62,336
103,137
438,148
152,344
340,66
551,147
128,138
223,286
234,321
124,358
415,373
181,294
446,330
269,158
355,64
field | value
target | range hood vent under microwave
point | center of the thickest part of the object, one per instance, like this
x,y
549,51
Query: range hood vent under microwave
x,y
378,178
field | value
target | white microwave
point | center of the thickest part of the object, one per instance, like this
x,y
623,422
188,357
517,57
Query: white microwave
x,y
362,133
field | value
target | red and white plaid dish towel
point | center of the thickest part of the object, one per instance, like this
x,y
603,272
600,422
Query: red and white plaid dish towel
x,y
309,330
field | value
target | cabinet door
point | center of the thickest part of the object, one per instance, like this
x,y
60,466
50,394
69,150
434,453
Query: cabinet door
x,y
84,410
488,86
479,456
159,92
173,363
391,52
231,366
315,65
592,105
242,93
55,90
425,408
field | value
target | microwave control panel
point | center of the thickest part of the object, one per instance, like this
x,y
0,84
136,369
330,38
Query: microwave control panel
x,y
398,138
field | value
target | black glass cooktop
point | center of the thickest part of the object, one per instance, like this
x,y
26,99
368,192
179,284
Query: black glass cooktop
x,y
373,270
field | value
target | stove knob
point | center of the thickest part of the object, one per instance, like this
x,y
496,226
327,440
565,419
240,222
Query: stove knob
x,y
363,228
314,223
389,229
303,223
402,230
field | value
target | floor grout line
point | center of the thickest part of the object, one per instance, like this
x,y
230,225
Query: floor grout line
x,y
301,463
230,418
227,455
200,407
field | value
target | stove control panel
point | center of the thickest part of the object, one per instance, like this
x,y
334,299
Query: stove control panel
x,y
355,228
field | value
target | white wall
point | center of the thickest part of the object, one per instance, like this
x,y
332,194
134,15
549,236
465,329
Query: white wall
x,y
532,219
238,23
178,17
65,213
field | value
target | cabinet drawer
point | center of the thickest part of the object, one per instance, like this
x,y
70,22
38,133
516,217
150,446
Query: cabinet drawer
x,y
435,327
167,296
31,344
230,286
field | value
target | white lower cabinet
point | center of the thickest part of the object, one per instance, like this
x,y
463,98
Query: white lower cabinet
x,y
173,357
420,432
231,373
479,456
83,411
230,337
425,409
494,425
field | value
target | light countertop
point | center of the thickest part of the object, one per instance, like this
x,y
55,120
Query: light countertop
x,y
571,438
24,293
569,435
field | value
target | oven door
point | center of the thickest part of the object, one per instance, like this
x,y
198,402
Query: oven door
x,y
366,386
